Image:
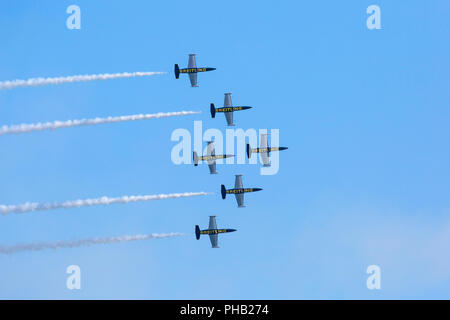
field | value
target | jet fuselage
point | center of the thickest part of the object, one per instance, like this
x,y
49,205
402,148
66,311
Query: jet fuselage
x,y
220,156
196,70
216,231
232,109
242,190
260,150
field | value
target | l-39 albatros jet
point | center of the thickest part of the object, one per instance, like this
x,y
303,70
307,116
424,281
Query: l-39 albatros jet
x,y
263,149
192,70
228,109
212,231
210,157
238,191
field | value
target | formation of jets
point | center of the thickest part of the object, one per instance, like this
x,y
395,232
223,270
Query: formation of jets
x,y
264,150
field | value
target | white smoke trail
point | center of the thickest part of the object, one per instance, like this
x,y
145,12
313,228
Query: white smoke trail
x,y
33,82
24,128
34,206
82,242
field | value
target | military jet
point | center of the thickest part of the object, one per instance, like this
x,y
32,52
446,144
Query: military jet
x,y
210,157
212,231
238,191
263,149
192,70
228,109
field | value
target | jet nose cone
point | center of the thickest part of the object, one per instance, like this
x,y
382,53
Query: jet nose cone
x,y
257,189
232,230
283,148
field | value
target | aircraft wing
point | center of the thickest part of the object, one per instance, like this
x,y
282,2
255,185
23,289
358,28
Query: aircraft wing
x,y
210,150
212,222
238,182
212,167
263,144
229,117
227,102
214,238
240,199
265,159
193,78
191,62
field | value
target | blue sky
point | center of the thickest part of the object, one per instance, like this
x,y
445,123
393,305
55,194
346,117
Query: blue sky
x,y
365,114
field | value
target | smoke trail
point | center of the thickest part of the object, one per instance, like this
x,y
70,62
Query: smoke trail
x,y
24,128
34,206
82,242
33,82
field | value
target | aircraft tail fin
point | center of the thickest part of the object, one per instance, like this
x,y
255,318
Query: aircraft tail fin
x,y
223,191
249,150
197,232
177,71
213,111
195,158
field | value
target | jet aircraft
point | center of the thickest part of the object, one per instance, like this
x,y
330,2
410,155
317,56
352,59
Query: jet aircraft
x,y
238,191
192,70
228,109
212,231
263,149
210,157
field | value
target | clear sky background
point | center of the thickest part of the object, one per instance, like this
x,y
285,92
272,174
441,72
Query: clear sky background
x,y
365,114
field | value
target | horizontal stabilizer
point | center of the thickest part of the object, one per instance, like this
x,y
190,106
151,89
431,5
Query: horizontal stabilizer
x,y
223,191
195,158
213,111
197,232
177,71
